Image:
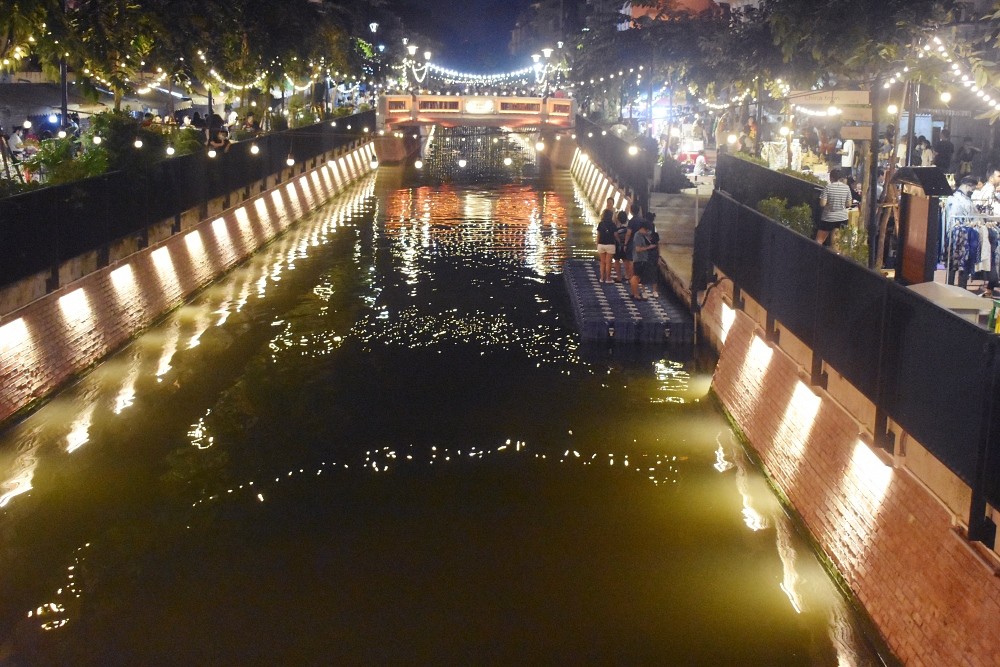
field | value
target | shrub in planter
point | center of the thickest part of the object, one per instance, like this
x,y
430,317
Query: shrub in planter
x,y
797,218
119,131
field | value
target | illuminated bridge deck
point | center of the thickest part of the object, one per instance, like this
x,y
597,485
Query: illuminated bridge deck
x,y
608,312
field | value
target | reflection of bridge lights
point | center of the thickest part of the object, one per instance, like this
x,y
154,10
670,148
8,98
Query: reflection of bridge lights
x,y
419,164
462,163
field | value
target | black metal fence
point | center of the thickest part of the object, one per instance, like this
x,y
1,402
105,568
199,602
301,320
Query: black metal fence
x,y
43,228
932,372
611,153
749,183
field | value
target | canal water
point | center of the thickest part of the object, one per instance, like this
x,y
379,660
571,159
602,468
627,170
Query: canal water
x,y
381,442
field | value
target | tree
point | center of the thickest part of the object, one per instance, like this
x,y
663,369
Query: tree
x,y
858,42
22,25
108,41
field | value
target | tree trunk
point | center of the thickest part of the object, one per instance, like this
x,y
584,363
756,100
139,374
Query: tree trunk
x,y
889,193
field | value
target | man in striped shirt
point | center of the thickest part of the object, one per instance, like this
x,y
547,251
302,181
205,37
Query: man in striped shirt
x,y
835,200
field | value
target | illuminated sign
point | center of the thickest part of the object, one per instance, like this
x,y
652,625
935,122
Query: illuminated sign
x,y
480,106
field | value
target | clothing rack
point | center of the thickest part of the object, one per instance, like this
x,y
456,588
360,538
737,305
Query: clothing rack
x,y
979,223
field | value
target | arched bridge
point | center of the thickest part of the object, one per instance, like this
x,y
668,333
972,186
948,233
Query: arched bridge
x,y
476,110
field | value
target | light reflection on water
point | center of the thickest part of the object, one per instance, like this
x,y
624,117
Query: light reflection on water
x,y
400,375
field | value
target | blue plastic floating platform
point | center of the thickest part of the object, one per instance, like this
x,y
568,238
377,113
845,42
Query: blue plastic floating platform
x,y
606,311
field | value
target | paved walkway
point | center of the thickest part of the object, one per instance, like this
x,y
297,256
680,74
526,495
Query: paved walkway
x,y
676,218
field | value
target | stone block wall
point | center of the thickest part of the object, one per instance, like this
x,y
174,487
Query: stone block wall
x,y
892,526
46,338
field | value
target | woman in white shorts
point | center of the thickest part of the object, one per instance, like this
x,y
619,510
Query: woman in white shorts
x,y
606,244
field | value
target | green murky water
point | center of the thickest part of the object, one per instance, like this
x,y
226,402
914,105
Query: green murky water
x,y
380,442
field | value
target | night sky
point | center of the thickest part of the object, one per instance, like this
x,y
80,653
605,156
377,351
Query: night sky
x,y
474,33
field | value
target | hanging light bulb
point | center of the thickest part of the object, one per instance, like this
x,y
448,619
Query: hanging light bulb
x,y
507,162
373,164
61,134
419,164
462,163
137,143
97,140
254,149
633,150
290,161
170,150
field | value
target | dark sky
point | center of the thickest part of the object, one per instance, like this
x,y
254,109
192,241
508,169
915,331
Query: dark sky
x,y
474,33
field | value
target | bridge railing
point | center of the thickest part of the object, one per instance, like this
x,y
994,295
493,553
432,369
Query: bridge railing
x,y
43,228
611,153
925,368
421,108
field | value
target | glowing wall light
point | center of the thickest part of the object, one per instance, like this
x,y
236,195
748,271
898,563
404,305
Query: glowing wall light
x,y
14,336
871,476
243,219
75,306
195,246
221,231
123,281
164,265
798,421
727,316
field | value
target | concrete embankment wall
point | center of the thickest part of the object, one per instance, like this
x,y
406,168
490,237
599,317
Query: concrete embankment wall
x,y
596,186
891,525
47,338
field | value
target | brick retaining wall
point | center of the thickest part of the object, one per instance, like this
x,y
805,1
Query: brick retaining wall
x,y
896,541
54,336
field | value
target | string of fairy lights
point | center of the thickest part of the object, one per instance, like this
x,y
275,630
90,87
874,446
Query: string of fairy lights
x,y
959,71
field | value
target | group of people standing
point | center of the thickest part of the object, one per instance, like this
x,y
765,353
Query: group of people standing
x,y
628,249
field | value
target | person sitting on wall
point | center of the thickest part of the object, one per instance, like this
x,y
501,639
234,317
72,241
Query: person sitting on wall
x,y
220,141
